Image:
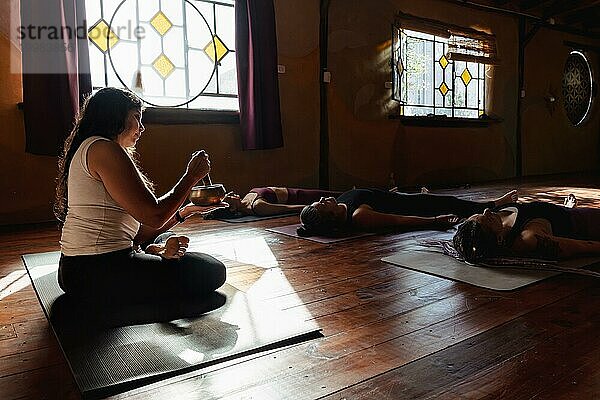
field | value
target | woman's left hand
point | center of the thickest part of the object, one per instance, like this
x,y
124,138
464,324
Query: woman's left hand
x,y
175,247
190,209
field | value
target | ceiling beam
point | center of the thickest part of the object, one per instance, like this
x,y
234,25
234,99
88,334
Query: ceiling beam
x,y
581,16
538,20
529,4
567,7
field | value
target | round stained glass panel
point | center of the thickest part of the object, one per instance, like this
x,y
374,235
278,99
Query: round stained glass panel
x,y
577,88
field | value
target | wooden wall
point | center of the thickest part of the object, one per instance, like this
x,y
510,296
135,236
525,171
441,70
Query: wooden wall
x,y
550,143
365,146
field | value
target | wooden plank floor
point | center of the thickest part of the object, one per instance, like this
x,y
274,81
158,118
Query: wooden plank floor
x,y
389,333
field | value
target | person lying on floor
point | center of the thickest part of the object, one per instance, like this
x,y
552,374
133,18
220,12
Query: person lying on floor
x,y
266,201
537,229
108,211
374,209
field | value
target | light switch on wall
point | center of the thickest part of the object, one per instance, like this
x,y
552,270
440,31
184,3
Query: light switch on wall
x,y
281,69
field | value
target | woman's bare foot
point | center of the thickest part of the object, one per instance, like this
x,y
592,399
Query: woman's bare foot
x,y
570,201
509,197
424,189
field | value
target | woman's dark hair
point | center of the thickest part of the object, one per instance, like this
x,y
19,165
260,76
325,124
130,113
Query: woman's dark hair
x,y
315,222
103,113
474,243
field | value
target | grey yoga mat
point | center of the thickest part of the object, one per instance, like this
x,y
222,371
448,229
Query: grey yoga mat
x,y
114,350
417,255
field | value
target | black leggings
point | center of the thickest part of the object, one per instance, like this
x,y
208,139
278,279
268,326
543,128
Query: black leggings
x,y
128,276
430,205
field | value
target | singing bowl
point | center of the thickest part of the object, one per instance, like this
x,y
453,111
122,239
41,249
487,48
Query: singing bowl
x,y
207,195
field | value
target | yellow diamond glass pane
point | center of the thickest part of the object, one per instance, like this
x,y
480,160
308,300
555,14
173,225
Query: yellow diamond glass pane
x,y
161,23
443,88
400,67
98,34
222,50
466,77
443,62
163,66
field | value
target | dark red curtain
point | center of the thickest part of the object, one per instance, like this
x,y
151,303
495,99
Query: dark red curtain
x,y
55,70
258,85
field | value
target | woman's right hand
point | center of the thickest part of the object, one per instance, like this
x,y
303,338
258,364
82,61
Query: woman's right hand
x,y
199,165
234,201
443,222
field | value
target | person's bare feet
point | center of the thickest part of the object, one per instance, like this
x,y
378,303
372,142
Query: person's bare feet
x,y
507,198
570,201
424,189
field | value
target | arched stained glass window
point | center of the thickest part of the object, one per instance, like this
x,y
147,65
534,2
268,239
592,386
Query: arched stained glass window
x,y
174,53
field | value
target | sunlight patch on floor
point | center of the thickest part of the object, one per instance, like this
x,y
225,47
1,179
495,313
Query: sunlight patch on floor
x,y
273,284
13,282
253,251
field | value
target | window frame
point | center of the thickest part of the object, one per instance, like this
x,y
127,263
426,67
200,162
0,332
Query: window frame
x,y
479,48
400,86
182,114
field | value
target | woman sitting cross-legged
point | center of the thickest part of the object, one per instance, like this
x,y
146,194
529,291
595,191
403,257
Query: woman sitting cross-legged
x,y
108,211
374,209
537,230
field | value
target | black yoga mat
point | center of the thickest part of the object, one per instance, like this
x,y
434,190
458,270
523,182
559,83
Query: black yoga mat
x,y
251,218
114,350
290,230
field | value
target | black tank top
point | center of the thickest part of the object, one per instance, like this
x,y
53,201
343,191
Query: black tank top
x,y
558,217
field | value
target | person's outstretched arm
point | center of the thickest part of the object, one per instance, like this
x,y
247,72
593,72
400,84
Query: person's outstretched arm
x,y
537,240
264,208
253,205
110,163
365,218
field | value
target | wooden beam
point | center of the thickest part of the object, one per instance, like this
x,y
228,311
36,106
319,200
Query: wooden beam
x,y
323,115
583,14
563,7
529,4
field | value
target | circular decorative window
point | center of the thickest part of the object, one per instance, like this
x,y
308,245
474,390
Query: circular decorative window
x,y
577,87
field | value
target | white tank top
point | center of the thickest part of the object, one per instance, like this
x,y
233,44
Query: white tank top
x,y
95,223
